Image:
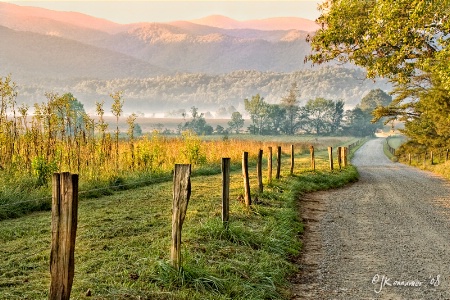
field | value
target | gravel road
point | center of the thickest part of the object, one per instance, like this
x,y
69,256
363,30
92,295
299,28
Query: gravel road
x,y
385,237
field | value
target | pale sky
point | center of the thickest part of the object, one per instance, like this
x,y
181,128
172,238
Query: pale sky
x,y
165,11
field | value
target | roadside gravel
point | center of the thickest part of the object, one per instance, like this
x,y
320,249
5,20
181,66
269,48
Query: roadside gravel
x,y
385,237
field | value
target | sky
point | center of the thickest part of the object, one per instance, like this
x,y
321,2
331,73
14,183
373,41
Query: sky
x,y
126,12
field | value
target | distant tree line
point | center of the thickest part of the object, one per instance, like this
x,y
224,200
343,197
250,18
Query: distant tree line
x,y
164,93
318,116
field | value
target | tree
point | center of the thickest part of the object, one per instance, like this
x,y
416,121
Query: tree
x,y
220,129
320,113
71,111
8,129
358,123
290,104
197,123
137,132
374,99
276,121
403,40
131,121
337,116
117,110
257,108
236,122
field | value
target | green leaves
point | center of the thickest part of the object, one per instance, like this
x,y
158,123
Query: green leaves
x,y
403,40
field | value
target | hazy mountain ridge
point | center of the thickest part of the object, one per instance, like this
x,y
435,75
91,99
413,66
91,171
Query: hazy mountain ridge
x,y
209,92
285,23
29,55
176,46
20,17
164,65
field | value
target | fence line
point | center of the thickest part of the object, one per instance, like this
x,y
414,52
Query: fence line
x,y
433,157
390,148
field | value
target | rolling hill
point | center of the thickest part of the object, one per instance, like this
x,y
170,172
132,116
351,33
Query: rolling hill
x,y
29,55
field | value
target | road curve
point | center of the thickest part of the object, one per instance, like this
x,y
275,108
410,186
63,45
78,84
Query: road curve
x,y
385,237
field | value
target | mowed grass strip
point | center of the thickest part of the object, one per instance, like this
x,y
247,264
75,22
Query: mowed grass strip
x,y
123,241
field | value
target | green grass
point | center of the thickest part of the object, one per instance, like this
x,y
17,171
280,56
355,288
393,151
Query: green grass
x,y
123,241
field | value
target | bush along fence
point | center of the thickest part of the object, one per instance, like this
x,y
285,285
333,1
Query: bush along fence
x,y
65,210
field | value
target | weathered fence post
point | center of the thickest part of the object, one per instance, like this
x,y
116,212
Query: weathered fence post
x,y
247,197
409,158
259,171
181,195
278,162
313,161
269,166
446,156
64,228
225,190
344,156
292,159
330,157
432,158
339,157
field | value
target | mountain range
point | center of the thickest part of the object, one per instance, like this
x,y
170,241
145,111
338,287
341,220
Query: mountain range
x,y
215,44
47,50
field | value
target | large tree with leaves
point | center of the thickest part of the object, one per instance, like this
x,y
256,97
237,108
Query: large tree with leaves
x,y
404,40
257,108
323,116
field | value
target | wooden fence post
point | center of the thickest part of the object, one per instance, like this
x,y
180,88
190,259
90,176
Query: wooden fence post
x,y
292,159
344,156
313,161
269,166
181,195
225,190
64,228
432,158
278,162
259,171
247,197
330,157
409,158
339,157
446,156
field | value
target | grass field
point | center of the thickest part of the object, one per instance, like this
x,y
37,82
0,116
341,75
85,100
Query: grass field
x,y
123,241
